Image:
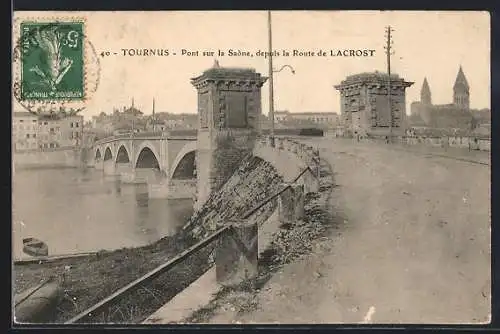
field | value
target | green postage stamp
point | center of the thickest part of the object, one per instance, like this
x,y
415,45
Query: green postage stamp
x,y
52,61
56,70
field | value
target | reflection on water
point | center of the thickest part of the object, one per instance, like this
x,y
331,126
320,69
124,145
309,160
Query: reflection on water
x,y
83,210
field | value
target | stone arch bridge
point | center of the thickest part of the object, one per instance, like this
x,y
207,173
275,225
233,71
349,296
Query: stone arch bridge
x,y
167,155
162,161
168,164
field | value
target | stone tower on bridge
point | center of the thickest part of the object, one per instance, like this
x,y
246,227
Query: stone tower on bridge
x,y
229,107
364,103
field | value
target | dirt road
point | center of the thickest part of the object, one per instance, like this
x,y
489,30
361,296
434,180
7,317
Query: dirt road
x,y
415,246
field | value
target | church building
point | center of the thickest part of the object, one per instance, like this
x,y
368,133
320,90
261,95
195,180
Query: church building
x,y
453,115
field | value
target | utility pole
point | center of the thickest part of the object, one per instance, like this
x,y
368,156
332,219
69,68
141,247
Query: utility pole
x,y
133,117
271,83
154,118
389,52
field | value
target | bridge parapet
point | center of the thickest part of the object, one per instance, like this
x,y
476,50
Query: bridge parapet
x,y
146,136
304,155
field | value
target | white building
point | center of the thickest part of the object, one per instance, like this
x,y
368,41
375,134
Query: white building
x,y
33,132
321,119
24,131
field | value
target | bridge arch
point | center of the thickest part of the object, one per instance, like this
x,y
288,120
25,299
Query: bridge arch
x,y
147,156
122,155
184,165
98,155
108,153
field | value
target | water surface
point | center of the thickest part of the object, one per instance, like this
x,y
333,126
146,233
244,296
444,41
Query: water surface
x,y
75,210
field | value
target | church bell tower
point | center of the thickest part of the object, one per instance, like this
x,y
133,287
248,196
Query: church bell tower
x,y
461,91
425,93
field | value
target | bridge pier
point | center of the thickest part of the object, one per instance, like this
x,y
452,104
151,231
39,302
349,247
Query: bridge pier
x,y
109,167
99,164
291,204
128,176
172,189
310,182
121,167
236,258
140,175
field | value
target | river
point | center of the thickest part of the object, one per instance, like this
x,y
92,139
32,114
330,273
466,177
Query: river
x,y
75,210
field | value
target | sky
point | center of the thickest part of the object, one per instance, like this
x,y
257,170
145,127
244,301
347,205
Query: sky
x,y
426,44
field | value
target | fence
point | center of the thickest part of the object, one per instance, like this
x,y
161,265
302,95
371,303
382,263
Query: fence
x,y
471,143
464,142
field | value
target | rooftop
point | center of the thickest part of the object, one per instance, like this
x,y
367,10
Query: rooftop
x,y
216,71
370,77
308,113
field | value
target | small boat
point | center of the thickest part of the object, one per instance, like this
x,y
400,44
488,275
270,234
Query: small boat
x,y
39,303
35,247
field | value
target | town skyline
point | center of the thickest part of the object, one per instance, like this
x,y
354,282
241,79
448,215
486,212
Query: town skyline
x,y
430,45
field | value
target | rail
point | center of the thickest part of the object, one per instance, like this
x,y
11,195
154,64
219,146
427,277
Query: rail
x,y
147,277
270,198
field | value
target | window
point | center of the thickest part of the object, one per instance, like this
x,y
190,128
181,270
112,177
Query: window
x,y
45,123
76,124
71,125
52,130
21,121
34,121
27,135
34,135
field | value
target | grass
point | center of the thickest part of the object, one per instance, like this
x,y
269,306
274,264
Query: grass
x,y
90,279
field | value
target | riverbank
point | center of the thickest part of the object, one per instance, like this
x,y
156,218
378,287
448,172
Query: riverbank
x,y
87,280
90,279
55,158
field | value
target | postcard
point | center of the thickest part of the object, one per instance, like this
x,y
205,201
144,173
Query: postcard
x,y
251,167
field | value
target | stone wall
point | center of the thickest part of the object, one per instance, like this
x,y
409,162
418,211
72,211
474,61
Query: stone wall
x,y
230,149
252,182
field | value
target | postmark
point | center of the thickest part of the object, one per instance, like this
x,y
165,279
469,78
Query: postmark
x,y
55,67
